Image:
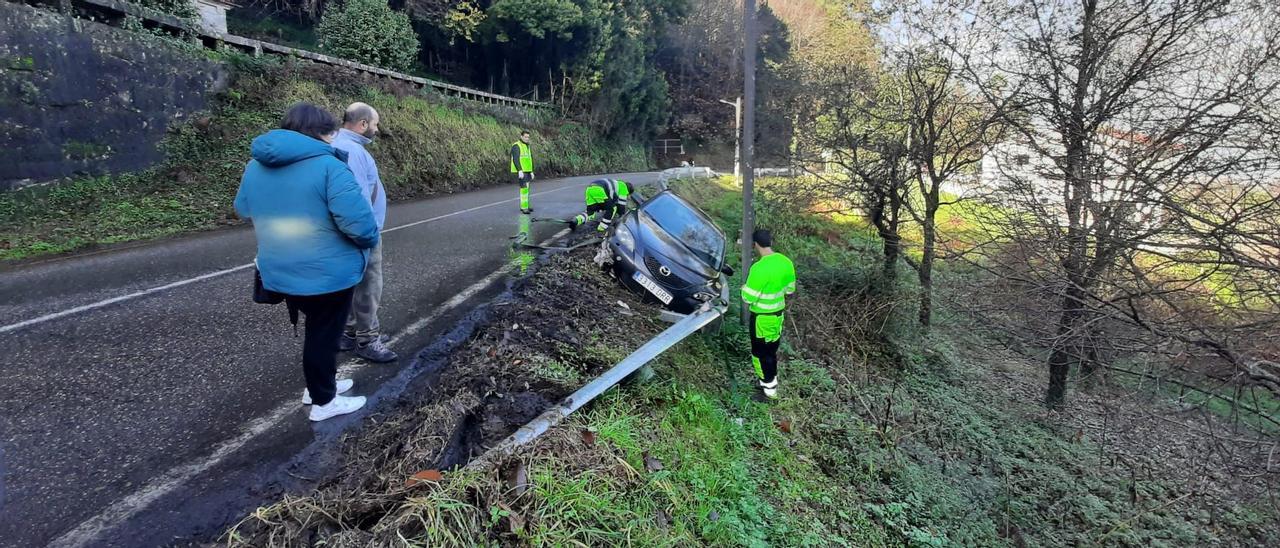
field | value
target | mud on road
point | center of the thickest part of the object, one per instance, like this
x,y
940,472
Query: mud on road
x,y
556,328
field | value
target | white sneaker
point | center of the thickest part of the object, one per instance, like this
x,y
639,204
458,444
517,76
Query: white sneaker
x,y
770,390
341,405
343,386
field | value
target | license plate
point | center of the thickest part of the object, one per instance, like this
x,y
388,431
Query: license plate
x,y
653,287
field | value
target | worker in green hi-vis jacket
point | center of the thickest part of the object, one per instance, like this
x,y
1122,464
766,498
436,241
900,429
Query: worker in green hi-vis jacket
x,y
522,169
607,197
771,279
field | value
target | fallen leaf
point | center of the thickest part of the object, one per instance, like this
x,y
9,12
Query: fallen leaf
x,y
514,522
785,426
651,464
664,521
518,479
624,305
517,362
424,476
588,437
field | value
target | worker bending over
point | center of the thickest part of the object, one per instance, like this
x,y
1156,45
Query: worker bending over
x,y
771,279
607,197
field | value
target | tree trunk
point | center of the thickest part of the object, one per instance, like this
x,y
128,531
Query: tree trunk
x,y
929,252
892,246
1062,356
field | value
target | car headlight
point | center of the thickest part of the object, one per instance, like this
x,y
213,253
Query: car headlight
x,y
626,241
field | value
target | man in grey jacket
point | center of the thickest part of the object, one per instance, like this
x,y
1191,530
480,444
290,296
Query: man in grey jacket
x,y
363,333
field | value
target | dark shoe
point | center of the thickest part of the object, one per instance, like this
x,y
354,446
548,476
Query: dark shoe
x,y
766,393
347,343
527,211
376,351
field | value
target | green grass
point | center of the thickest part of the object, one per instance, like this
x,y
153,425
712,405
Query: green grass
x,y
727,476
429,146
1213,397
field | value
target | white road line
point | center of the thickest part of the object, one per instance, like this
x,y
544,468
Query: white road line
x,y
89,530
113,300
202,277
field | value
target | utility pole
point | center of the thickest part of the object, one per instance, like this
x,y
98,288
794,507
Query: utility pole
x,y
737,141
748,139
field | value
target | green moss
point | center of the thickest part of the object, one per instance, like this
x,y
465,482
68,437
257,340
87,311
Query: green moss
x,y
21,63
79,151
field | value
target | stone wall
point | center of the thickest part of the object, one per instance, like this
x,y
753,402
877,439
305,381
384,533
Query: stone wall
x,y
83,98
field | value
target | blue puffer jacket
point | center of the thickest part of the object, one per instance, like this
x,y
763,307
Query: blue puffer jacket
x,y
312,222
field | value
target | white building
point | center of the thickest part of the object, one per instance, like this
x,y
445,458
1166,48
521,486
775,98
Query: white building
x,y
1024,174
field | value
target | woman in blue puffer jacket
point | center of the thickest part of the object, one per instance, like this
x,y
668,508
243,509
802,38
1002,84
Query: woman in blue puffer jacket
x,y
314,228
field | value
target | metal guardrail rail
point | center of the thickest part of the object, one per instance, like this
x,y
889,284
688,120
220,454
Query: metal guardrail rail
x,y
213,40
643,355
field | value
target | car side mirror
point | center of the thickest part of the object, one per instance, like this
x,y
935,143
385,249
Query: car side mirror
x,y
727,270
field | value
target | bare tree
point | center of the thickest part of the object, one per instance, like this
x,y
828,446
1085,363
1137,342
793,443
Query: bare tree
x,y
949,127
856,149
1139,170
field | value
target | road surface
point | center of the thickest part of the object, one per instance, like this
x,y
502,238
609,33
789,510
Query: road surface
x,y
147,400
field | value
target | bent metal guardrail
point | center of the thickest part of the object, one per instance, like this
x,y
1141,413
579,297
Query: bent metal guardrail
x,y
646,353
685,172
116,10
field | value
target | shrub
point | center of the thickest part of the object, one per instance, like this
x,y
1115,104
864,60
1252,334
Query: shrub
x,y
371,32
182,9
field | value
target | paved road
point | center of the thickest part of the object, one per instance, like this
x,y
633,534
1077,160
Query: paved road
x,y
146,399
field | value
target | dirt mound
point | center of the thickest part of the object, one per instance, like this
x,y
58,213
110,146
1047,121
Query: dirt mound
x,y
552,332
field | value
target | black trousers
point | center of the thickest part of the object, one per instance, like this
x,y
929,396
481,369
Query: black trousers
x,y
608,210
764,354
326,317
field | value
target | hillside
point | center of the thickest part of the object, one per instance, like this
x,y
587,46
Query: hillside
x,y
430,145
881,438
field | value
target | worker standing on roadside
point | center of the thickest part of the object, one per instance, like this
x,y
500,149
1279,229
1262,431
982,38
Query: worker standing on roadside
x,y
522,169
608,197
771,279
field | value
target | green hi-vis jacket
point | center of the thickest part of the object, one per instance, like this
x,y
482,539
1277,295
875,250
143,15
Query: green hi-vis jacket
x,y
772,278
605,190
522,157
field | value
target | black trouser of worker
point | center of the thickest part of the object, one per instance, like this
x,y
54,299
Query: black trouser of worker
x,y
326,317
766,353
608,210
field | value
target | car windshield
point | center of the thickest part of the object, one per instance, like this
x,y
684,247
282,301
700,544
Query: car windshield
x,y
678,220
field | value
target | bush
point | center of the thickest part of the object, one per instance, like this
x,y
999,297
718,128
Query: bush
x,y
371,32
182,9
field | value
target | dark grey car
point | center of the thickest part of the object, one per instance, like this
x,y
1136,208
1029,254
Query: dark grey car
x,y
669,251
